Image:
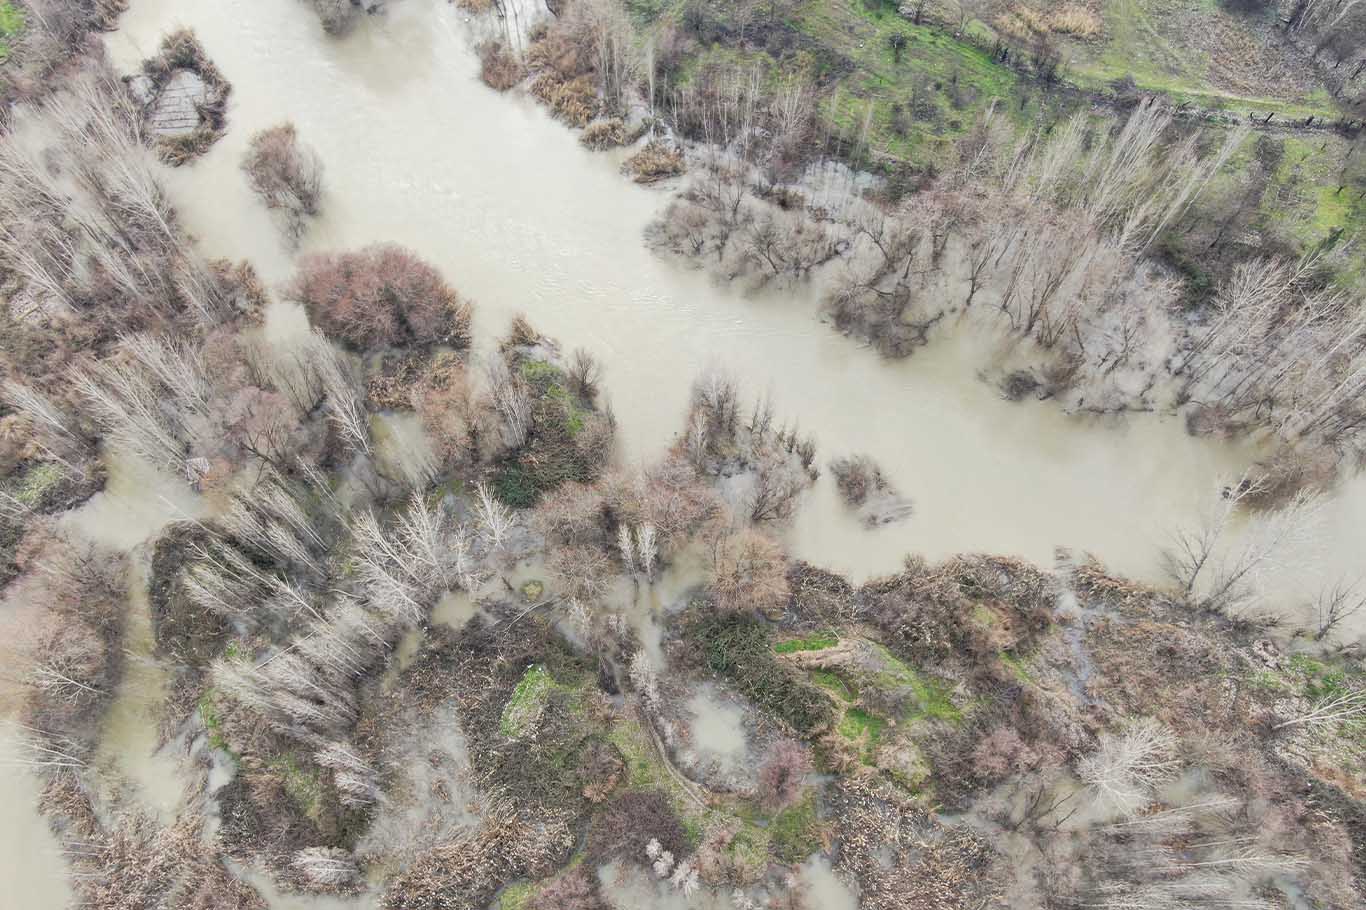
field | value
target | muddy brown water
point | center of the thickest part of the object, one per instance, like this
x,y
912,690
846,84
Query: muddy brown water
x,y
520,218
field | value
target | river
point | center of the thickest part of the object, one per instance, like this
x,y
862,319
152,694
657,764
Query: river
x,y
520,218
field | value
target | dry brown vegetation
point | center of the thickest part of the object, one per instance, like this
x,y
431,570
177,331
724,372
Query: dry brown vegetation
x,y
181,52
656,161
499,67
285,174
381,296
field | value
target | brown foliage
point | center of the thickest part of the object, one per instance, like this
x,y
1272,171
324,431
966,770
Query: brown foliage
x,y
465,874
629,822
574,101
286,174
749,572
783,774
576,889
656,161
380,296
499,67
667,495
604,134
449,413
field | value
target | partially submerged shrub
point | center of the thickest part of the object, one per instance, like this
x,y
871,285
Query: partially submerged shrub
x,y
656,161
335,15
381,296
499,67
283,172
863,486
604,134
576,101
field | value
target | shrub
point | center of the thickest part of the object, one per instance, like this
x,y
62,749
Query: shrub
x,y
655,162
604,134
783,774
381,296
628,823
737,646
286,174
749,573
499,67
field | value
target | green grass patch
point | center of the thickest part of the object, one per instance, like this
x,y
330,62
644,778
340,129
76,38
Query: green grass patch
x,y
934,700
36,481
528,700
795,833
303,785
644,771
915,101
833,683
516,896
811,643
11,24
1017,666
863,730
211,713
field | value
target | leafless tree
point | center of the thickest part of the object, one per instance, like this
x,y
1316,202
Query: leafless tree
x,y
512,401
1127,766
1334,606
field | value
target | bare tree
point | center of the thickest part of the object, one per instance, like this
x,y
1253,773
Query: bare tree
x,y
1127,766
511,399
1334,606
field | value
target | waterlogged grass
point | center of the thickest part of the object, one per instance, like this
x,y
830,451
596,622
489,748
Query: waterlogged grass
x,y
811,643
11,24
934,700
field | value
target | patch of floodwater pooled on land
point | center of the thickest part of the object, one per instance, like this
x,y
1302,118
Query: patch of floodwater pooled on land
x,y
823,889
432,798
137,501
402,448
718,746
130,750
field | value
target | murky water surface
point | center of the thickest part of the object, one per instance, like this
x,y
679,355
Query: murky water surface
x,y
520,218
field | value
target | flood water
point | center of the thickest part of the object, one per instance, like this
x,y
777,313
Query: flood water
x,y
520,218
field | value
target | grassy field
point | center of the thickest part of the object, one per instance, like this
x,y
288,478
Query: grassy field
x,y
897,93
1197,52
